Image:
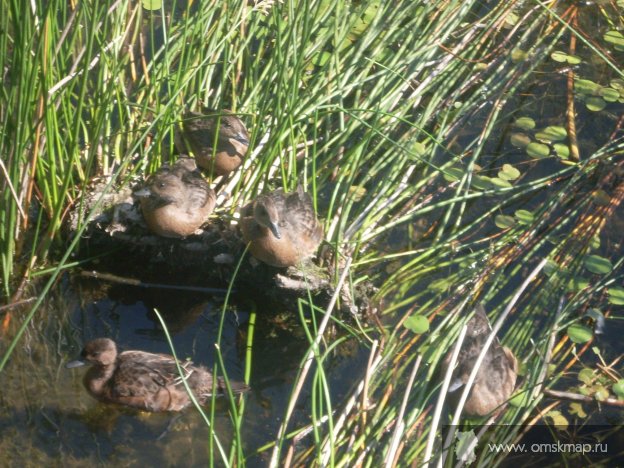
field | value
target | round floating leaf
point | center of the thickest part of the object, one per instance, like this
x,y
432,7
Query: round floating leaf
x,y
616,38
594,242
552,133
562,57
579,333
610,94
524,216
617,84
500,182
551,267
419,148
586,86
508,172
537,150
578,283
562,150
597,264
601,393
504,221
558,419
453,173
595,104
481,183
441,285
152,5
417,323
577,409
511,19
616,295
520,140
357,192
586,376
525,123
518,55
618,389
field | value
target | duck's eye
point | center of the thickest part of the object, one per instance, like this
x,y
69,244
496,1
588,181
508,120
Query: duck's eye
x,y
162,185
227,124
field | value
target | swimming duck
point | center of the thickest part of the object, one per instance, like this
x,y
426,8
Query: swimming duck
x,y
282,228
142,380
176,200
496,378
231,140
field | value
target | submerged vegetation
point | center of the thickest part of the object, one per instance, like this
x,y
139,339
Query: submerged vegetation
x,y
457,152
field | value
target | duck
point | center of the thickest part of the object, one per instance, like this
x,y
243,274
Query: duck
x,y
231,138
496,378
281,228
176,200
146,381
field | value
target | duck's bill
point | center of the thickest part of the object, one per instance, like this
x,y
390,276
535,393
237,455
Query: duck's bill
x,y
275,230
142,193
241,138
72,364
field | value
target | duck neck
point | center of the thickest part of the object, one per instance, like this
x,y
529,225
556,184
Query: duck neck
x,y
97,377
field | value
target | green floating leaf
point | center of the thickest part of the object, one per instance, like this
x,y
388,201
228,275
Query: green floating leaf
x,y
586,376
595,104
524,216
151,5
504,221
558,419
562,57
579,333
609,94
518,55
520,140
537,150
500,182
481,183
322,58
525,123
597,264
552,133
562,150
616,38
453,173
616,295
441,284
357,192
508,172
617,83
417,323
586,86
578,283
618,389
577,409
419,148
601,393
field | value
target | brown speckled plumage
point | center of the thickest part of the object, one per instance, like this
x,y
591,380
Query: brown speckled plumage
x,y
496,378
231,140
176,200
142,380
282,228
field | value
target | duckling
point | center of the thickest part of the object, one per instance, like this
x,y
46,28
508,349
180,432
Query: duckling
x,y
232,140
496,378
282,228
176,200
147,381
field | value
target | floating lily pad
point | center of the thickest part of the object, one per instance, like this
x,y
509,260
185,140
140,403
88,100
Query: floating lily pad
x,y
577,283
525,123
498,182
586,376
419,148
537,150
577,409
518,55
586,87
562,57
558,419
610,94
562,150
552,133
453,173
601,393
520,140
481,183
597,264
618,389
615,38
504,221
595,104
441,284
524,216
617,83
417,323
616,295
579,333
508,172
357,192
151,5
